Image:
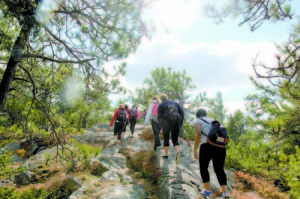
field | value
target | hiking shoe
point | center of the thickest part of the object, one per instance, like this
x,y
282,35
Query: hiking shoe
x,y
206,193
225,195
157,148
178,158
165,157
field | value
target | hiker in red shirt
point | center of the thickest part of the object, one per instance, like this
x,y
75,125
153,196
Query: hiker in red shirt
x,y
119,120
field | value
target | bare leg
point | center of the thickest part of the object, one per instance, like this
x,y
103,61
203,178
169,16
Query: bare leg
x,y
177,148
224,188
207,186
166,148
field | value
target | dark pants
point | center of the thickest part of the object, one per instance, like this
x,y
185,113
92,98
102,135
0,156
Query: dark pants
x,y
172,126
125,126
132,124
118,129
217,155
156,130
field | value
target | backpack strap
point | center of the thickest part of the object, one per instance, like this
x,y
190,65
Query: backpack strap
x,y
205,122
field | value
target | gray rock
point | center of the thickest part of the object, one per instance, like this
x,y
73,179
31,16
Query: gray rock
x,y
116,161
11,147
123,191
78,193
16,158
40,158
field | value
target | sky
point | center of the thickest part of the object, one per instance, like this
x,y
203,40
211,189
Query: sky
x,y
218,57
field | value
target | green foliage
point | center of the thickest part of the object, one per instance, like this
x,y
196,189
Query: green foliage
x,y
177,86
189,131
86,151
293,173
25,194
6,171
236,125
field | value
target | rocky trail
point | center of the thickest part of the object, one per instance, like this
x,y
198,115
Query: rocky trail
x,y
118,178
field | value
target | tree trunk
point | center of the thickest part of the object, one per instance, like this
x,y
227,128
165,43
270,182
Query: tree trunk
x,y
14,59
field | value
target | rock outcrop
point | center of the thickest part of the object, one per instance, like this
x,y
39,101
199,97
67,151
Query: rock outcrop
x,y
113,179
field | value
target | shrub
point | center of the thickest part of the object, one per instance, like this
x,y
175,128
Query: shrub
x,y
263,187
6,171
29,193
147,134
146,163
98,169
293,174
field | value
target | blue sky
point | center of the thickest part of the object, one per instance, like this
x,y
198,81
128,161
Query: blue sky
x,y
202,47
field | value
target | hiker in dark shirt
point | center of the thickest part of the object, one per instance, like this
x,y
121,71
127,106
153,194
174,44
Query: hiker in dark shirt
x,y
170,116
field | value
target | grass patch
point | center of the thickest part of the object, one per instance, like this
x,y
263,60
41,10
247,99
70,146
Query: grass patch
x,y
147,134
146,163
98,169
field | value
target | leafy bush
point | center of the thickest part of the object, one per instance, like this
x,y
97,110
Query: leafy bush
x,y
86,151
30,193
189,132
293,173
6,171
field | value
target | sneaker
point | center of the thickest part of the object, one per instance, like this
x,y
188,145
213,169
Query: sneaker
x,y
178,158
157,148
206,193
225,195
165,157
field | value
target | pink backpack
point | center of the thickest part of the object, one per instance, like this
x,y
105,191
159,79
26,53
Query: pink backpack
x,y
155,109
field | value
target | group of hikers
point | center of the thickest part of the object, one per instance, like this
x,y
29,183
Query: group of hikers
x,y
167,117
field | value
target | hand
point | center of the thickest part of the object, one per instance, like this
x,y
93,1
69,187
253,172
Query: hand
x,y
161,131
110,126
196,154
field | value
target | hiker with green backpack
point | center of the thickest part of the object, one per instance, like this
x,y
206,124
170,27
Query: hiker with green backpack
x,y
152,115
134,115
170,116
214,138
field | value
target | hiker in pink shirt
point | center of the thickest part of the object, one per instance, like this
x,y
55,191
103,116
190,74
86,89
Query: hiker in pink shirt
x,y
134,115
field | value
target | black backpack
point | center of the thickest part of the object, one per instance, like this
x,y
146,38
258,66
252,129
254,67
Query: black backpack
x,y
121,117
134,113
217,135
173,112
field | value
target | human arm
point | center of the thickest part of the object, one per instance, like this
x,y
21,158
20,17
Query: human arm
x,y
114,117
197,139
149,114
181,113
160,113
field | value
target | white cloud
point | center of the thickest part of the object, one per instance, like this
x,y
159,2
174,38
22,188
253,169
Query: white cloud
x,y
173,14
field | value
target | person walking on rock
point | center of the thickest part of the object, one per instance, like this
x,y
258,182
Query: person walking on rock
x,y
134,115
170,116
209,152
128,113
119,120
152,115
